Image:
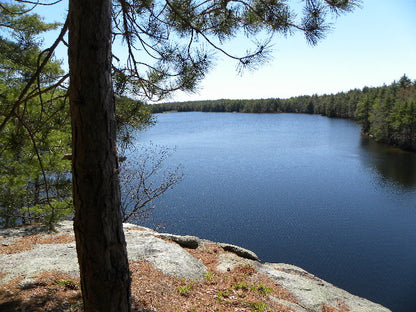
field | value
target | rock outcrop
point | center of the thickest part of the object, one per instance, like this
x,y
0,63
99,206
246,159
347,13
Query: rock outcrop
x,y
168,254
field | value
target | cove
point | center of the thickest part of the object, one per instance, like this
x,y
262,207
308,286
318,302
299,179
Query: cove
x,y
300,189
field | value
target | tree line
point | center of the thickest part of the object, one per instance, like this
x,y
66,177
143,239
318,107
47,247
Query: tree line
x,y
386,113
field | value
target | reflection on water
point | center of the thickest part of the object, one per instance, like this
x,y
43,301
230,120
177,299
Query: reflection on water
x,y
392,164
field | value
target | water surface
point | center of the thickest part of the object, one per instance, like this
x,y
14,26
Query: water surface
x,y
299,189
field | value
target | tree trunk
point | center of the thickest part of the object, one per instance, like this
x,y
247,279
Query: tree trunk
x,y
101,247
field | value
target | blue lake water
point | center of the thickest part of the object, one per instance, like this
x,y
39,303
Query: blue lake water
x,y
299,189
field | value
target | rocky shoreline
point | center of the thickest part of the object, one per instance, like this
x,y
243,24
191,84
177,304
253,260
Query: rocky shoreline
x,y
171,255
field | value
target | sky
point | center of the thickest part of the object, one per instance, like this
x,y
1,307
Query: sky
x,y
374,45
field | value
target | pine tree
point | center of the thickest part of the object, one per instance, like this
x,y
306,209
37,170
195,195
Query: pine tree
x,y
34,180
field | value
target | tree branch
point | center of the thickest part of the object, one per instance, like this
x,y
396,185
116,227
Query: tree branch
x,y
34,77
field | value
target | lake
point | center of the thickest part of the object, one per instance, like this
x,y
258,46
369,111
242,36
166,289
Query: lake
x,y
300,189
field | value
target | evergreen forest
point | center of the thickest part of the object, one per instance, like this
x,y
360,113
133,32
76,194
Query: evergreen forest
x,y
35,144
386,113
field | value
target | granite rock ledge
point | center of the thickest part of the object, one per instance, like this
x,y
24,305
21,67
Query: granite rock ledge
x,y
168,253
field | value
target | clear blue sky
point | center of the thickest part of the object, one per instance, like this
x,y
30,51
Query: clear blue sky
x,y
369,47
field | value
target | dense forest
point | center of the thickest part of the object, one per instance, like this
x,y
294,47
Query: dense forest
x,y
387,113
35,173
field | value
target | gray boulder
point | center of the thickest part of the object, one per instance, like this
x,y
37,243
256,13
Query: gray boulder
x,y
43,257
168,257
185,241
240,251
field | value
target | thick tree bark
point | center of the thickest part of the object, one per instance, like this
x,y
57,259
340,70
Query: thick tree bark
x,y
101,247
